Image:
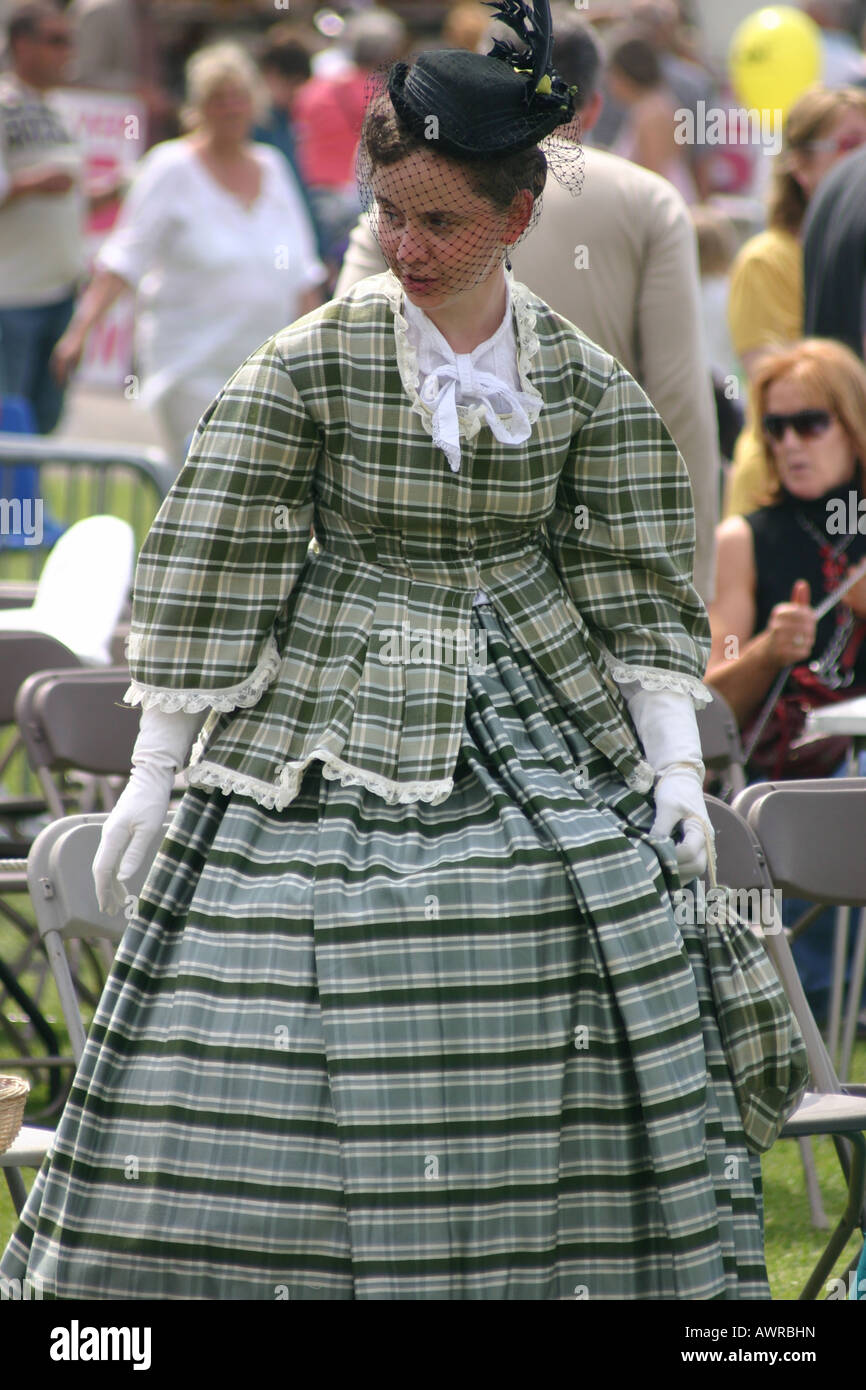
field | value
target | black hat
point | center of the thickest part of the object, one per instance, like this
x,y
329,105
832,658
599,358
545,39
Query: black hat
x,y
475,105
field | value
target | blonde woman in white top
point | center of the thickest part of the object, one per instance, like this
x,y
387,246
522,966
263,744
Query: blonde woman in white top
x,y
215,240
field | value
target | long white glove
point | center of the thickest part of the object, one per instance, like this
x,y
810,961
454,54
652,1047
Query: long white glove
x,y
161,749
668,731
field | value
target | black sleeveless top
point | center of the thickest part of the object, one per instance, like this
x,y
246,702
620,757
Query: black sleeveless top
x,y
786,550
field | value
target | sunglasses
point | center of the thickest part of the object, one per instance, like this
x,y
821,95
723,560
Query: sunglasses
x,y
807,424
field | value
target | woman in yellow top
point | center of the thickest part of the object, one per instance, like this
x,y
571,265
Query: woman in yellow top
x,y
765,305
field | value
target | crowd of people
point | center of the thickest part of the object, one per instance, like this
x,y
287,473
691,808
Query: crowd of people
x,y
692,332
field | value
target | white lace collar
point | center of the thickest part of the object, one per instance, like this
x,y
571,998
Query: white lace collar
x,y
469,418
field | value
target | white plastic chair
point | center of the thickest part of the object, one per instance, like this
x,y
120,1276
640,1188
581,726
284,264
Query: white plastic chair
x,y
60,879
82,589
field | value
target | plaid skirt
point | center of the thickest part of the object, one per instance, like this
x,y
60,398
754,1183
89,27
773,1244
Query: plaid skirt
x,y
353,1050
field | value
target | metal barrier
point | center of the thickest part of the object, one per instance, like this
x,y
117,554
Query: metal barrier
x,y
71,479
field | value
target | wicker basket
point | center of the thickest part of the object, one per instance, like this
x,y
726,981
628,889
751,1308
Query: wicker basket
x,y
13,1098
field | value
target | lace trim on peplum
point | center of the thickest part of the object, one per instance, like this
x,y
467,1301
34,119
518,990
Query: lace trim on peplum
x,y
279,794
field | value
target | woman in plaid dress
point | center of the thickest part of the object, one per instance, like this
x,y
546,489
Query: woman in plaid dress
x,y
403,1010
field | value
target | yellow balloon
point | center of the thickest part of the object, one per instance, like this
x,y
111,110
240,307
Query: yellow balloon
x,y
775,55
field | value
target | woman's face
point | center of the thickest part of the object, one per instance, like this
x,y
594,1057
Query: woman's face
x,y
824,458
847,133
439,237
228,111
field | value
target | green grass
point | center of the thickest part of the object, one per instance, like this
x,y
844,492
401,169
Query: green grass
x,y
70,493
792,1245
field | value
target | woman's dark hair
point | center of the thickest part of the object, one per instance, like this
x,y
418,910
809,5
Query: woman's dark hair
x,y
288,55
577,53
637,60
385,140
26,20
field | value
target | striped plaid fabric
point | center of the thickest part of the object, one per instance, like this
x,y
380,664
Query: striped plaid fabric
x,y
360,1050
582,538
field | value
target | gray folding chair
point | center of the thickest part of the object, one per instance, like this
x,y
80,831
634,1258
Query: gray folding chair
x,y
21,655
60,880
834,867
721,748
74,720
69,720
828,1108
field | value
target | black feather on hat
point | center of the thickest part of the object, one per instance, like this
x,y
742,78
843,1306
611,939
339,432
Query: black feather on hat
x,y
483,105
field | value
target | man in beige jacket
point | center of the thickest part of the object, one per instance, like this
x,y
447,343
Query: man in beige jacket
x,y
621,263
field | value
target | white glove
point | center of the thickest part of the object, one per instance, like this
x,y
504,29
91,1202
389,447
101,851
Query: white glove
x,y
668,731
161,749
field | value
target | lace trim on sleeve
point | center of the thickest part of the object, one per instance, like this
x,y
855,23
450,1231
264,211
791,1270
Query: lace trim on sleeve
x,y
230,697
654,678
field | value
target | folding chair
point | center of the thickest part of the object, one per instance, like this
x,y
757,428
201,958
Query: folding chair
x,y
21,655
60,879
813,786
75,720
68,719
721,748
829,1108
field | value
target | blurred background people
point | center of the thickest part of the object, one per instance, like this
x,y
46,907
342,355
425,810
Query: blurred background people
x,y
116,51
717,244
812,402
285,64
215,238
843,61
689,81
635,79
778,562
42,208
620,262
465,26
766,301
327,115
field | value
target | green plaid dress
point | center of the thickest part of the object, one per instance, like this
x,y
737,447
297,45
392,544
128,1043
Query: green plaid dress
x,y
403,1011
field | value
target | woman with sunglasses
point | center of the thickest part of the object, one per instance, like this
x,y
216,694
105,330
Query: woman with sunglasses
x,y
776,564
766,298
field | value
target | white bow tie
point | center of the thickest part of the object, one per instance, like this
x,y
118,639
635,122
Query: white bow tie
x,y
448,380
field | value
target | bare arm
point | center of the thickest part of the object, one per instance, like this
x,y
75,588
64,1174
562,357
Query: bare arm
x,y
743,666
97,299
33,181
654,142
